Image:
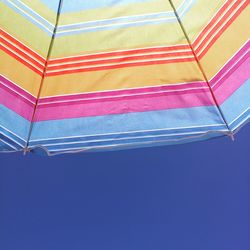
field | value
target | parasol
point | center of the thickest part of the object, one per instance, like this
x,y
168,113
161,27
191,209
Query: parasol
x,y
117,74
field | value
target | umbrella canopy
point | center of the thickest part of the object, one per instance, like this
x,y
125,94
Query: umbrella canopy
x,y
116,74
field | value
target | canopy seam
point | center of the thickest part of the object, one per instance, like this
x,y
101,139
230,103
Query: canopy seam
x,y
26,148
201,69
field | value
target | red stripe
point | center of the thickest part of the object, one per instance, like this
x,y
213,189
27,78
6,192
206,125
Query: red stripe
x,y
20,60
227,25
219,25
22,54
119,66
130,53
22,46
174,48
211,23
201,46
120,60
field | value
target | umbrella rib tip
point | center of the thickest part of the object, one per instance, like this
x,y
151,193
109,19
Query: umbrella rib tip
x,y
26,150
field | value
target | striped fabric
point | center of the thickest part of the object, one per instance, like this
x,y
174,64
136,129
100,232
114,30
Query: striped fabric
x,y
117,74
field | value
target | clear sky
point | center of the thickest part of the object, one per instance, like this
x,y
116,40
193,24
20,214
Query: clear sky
x,y
185,197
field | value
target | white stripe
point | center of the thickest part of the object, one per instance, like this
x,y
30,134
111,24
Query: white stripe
x,y
115,24
27,14
106,91
14,38
114,64
17,85
12,134
128,132
184,10
25,52
16,92
115,18
119,96
124,17
229,69
218,30
140,143
242,122
25,59
86,22
128,138
118,57
12,139
8,144
239,116
229,60
118,51
209,30
22,3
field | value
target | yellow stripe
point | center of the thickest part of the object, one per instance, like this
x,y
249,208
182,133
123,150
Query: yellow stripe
x,y
42,9
117,39
132,37
227,45
24,30
133,77
115,11
19,74
200,15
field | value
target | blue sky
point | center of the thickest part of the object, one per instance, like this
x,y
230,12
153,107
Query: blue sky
x,y
193,196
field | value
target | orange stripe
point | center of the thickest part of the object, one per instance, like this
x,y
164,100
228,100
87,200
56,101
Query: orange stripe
x,y
131,54
173,48
120,60
22,46
22,54
20,60
119,66
230,21
220,24
211,23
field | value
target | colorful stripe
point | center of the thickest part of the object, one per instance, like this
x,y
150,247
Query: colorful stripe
x,y
123,74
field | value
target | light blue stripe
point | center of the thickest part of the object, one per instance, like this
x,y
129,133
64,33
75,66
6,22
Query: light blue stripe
x,y
185,7
33,13
153,120
236,104
33,20
118,26
169,17
116,21
135,145
154,133
141,140
5,147
11,138
15,123
79,5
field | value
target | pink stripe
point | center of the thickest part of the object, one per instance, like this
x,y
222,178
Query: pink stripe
x,y
158,101
235,62
116,93
124,98
229,84
136,103
170,87
121,106
12,86
15,103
